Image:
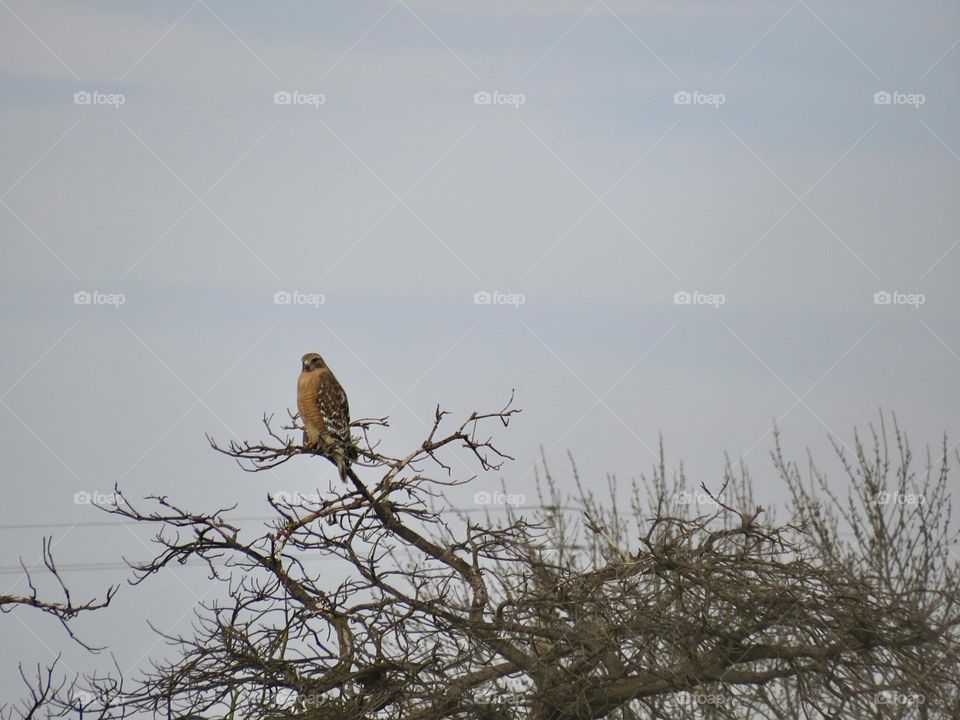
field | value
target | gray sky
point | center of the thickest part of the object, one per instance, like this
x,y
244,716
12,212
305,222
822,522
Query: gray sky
x,y
785,188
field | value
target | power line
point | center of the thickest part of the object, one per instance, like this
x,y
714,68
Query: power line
x,y
93,567
105,566
104,523
251,518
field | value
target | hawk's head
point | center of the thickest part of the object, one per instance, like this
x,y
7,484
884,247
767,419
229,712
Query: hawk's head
x,y
312,361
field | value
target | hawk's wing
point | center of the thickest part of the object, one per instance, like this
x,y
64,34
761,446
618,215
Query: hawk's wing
x,y
335,409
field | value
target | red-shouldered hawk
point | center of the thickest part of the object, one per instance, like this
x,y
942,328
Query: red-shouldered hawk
x,y
325,413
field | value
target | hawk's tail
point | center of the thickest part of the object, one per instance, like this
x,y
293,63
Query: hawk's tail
x,y
347,454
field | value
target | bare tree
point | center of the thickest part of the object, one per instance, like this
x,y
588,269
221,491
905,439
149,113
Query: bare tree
x,y
48,693
370,604
64,610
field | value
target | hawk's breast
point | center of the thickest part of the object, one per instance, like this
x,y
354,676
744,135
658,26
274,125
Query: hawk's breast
x,y
308,386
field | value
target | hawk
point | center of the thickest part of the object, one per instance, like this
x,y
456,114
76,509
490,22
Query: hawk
x,y
325,412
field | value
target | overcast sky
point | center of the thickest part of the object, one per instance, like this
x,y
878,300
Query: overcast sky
x,y
589,165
